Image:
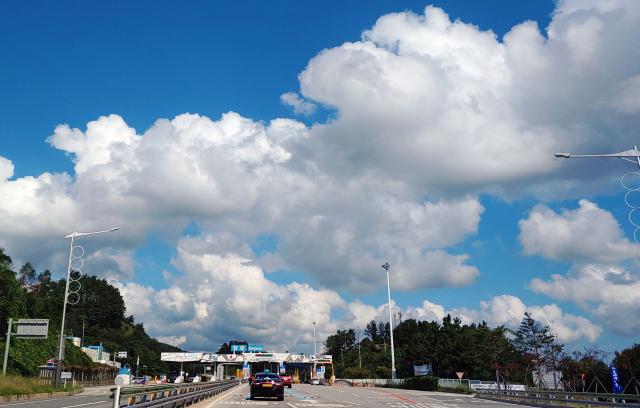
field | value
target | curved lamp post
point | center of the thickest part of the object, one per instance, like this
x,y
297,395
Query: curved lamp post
x,y
72,257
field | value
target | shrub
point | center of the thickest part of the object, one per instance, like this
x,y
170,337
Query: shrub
x,y
424,383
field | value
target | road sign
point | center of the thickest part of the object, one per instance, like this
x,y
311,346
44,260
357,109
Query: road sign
x,y
459,374
238,347
32,329
122,354
66,375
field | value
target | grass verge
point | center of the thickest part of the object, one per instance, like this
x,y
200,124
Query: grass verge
x,y
16,385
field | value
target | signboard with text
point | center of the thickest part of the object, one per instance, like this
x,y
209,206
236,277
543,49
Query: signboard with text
x,y
238,347
254,347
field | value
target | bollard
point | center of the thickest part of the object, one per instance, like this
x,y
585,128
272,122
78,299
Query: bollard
x,y
116,398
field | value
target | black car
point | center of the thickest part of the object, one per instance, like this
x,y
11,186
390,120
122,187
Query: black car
x,y
267,385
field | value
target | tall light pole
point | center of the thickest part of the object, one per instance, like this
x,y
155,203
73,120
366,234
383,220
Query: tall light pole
x,y
386,267
72,257
359,355
315,351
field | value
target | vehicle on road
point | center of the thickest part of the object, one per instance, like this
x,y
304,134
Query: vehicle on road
x,y
139,380
267,385
314,381
286,379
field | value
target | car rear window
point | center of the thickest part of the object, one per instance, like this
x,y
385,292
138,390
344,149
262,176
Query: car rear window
x,y
264,376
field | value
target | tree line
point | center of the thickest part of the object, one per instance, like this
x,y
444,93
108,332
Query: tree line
x,y
97,317
478,351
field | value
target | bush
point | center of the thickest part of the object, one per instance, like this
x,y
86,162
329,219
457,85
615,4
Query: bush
x,y
357,373
424,383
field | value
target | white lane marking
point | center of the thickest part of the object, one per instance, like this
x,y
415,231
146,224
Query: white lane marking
x,y
291,405
83,405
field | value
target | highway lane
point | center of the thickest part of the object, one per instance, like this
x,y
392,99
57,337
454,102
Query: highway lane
x,y
304,395
77,401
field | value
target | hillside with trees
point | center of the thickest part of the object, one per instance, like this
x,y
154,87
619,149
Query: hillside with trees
x,y
100,314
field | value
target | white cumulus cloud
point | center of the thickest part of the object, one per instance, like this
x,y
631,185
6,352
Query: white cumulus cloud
x,y
587,234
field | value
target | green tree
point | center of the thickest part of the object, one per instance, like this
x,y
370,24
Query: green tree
x,y
12,295
27,275
534,342
372,331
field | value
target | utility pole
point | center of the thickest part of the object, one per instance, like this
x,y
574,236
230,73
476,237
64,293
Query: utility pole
x,y
82,341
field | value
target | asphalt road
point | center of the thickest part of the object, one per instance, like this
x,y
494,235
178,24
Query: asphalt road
x,y
97,397
304,395
299,396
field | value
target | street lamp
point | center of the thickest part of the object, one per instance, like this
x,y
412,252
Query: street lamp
x,y
72,257
315,350
626,155
622,155
386,267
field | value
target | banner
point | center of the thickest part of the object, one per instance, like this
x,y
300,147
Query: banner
x,y
615,379
420,370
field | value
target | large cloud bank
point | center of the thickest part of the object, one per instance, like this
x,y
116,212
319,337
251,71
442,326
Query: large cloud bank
x,y
429,113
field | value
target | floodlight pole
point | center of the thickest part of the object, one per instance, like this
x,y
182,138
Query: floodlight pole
x,y
61,339
386,267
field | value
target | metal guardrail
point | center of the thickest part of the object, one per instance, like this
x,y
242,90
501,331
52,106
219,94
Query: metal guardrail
x,y
167,395
547,398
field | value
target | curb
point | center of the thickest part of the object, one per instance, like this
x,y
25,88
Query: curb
x,y
46,395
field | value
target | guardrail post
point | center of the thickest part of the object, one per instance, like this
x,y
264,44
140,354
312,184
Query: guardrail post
x,y
116,398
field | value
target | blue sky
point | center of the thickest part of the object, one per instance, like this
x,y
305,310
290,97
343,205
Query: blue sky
x,y
426,141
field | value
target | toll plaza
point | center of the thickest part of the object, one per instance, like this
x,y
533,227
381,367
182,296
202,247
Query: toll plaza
x,y
246,359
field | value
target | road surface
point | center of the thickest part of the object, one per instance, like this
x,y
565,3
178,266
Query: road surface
x,y
299,396
304,395
96,397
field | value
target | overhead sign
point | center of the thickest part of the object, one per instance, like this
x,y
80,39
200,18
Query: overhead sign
x,y
122,354
238,347
253,347
32,329
459,374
